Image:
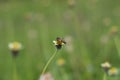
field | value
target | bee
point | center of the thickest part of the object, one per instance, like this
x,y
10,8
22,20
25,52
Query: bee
x,y
59,42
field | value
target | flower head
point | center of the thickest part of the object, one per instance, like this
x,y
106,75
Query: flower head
x,y
46,76
69,47
71,3
113,71
60,62
113,31
15,47
59,42
106,66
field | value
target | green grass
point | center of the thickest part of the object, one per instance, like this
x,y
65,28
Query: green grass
x,y
37,23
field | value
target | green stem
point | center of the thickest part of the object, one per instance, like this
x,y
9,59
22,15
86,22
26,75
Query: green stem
x,y
105,76
52,57
14,70
117,40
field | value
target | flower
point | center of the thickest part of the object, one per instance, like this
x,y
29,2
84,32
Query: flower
x,y
107,21
60,62
110,71
15,47
106,66
113,71
59,42
113,31
71,3
46,76
69,47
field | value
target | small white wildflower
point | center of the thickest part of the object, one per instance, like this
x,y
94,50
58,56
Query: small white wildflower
x,y
15,46
46,76
113,71
106,66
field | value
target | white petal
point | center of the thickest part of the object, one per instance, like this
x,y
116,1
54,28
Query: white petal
x,y
10,45
55,42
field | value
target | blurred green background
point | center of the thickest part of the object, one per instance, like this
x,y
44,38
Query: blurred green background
x,y
90,28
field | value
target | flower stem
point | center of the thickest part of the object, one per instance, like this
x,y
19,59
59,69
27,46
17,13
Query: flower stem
x,y
49,61
14,70
104,76
117,40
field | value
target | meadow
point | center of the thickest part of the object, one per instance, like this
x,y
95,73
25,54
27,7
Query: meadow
x,y
89,27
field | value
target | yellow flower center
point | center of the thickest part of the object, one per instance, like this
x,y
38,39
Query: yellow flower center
x,y
16,45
